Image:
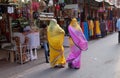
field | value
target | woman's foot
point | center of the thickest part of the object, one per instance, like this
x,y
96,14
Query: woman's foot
x,y
70,65
76,68
55,66
47,61
59,66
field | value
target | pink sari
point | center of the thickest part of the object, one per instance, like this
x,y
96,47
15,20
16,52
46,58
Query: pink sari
x,y
80,44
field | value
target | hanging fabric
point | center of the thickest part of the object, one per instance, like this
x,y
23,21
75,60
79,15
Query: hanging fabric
x,y
62,5
35,6
57,9
42,5
55,1
10,10
50,3
24,11
61,1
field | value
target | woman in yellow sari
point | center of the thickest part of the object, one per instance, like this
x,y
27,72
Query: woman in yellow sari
x,y
56,38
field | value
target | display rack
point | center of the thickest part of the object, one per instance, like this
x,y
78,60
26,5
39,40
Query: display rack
x,y
21,53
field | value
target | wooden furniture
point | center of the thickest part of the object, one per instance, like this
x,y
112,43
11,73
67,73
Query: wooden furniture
x,y
9,48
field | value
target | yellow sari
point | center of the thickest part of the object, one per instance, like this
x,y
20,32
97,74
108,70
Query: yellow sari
x,y
91,27
56,38
98,32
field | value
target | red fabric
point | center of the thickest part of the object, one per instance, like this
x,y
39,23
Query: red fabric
x,y
82,26
13,16
57,7
35,6
55,0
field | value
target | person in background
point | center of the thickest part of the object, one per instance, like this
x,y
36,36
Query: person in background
x,y
78,43
103,28
55,39
118,27
44,41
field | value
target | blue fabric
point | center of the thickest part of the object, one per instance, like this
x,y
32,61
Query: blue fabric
x,y
45,44
61,1
85,24
111,15
118,24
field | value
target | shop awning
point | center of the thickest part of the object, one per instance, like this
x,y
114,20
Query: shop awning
x,y
110,2
9,4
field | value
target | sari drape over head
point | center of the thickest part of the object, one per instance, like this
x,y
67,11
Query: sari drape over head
x,y
56,38
78,43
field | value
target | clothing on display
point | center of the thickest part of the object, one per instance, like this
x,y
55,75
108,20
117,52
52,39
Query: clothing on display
x,y
61,1
10,10
42,5
35,6
34,43
57,9
50,3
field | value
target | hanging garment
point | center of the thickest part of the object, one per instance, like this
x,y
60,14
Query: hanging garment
x,y
61,1
50,3
103,28
98,32
35,6
57,9
10,10
86,30
42,5
91,28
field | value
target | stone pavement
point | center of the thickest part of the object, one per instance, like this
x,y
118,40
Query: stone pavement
x,y
8,69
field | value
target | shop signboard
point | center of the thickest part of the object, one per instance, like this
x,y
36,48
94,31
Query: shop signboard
x,y
46,16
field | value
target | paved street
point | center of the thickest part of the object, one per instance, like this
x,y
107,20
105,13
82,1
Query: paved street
x,y
101,60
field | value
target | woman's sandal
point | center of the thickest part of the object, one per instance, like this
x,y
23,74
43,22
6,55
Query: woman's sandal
x,y
59,66
70,65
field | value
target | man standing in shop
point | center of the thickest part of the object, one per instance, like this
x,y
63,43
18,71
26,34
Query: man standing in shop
x,y
118,27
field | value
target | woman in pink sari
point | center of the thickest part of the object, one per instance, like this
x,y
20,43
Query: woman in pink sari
x,y
78,43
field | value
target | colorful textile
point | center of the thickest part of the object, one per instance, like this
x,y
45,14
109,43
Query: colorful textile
x,y
118,24
103,28
78,43
56,38
98,32
35,6
91,27
109,23
86,32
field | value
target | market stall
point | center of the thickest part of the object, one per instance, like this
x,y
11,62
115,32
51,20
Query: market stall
x,y
6,12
